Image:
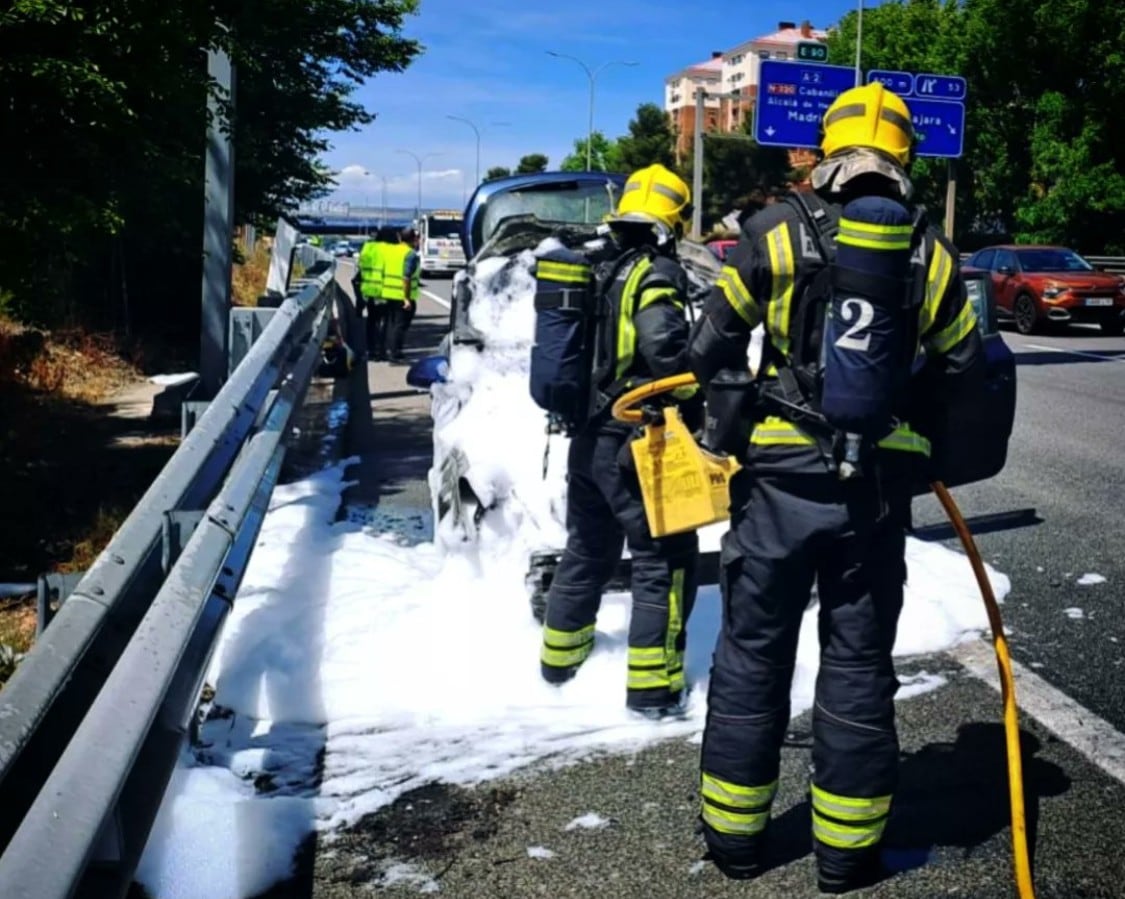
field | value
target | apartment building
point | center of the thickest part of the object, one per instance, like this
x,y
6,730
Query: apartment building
x,y
734,70
679,100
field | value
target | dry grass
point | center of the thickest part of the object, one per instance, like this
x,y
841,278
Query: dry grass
x,y
96,538
71,364
17,633
248,279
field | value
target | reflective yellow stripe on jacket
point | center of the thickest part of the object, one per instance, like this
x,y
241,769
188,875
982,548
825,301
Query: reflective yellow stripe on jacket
x,y
626,332
777,431
782,274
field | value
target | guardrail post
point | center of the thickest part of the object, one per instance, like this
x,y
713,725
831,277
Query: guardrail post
x,y
246,325
51,587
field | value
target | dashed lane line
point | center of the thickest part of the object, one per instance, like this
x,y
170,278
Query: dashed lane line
x,y
1071,722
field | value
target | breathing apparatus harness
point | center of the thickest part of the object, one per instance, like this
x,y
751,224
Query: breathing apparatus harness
x,y
830,308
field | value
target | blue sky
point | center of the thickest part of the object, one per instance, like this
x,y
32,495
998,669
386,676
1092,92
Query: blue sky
x,y
487,61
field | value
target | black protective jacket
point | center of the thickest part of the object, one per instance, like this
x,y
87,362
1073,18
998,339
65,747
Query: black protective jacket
x,y
774,261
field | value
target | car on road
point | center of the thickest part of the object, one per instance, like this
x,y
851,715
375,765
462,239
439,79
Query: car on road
x,y
1039,286
343,248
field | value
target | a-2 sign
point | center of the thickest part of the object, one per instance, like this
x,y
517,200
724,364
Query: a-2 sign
x,y
792,100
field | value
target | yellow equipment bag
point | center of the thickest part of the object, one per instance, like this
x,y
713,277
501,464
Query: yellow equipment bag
x,y
684,487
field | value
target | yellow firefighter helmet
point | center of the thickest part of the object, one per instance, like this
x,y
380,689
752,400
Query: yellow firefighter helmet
x,y
869,116
654,194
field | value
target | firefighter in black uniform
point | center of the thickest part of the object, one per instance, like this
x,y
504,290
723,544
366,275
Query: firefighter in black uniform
x,y
795,516
646,338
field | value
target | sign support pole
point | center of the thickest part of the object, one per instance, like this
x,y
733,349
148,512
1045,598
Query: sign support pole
x,y
697,167
950,196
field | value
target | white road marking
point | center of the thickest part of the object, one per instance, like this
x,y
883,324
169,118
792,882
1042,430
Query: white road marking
x,y
433,296
1056,349
1072,723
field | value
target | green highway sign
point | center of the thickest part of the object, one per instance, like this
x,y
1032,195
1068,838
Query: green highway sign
x,y
812,51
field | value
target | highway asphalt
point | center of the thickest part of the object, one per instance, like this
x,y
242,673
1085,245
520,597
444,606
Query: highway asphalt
x,y
1053,516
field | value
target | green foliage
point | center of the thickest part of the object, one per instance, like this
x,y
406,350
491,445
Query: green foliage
x,y
532,162
736,171
650,140
1044,152
497,171
103,110
605,155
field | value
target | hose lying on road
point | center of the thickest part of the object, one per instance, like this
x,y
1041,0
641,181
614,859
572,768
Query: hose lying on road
x,y
626,409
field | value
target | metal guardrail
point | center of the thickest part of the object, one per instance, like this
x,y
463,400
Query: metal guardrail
x,y
92,721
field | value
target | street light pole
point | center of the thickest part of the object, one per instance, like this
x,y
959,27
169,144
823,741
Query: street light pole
x,y
593,76
418,159
476,131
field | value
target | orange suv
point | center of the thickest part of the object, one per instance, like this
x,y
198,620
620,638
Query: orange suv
x,y
1039,285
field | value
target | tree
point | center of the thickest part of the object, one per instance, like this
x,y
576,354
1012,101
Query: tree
x,y
497,171
103,109
650,140
605,155
736,171
532,162
1043,160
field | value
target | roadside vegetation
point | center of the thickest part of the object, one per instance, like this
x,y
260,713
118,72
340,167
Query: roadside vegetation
x,y
103,107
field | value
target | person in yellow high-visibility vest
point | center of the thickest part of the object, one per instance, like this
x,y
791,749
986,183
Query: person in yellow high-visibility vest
x,y
401,283
370,290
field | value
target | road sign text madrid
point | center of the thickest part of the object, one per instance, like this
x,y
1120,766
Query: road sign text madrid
x,y
793,97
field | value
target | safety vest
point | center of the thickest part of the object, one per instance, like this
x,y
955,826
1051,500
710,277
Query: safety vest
x,y
371,269
394,270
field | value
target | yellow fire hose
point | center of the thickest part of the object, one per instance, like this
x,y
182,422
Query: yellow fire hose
x,y
626,409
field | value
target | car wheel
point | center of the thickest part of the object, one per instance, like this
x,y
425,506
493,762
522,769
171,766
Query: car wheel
x,y
1025,314
1114,327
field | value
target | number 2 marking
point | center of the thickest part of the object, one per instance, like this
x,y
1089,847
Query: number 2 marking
x,y
863,313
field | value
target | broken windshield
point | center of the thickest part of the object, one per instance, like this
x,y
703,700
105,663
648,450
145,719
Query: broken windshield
x,y
563,202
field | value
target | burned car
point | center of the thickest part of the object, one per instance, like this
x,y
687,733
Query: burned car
x,y
505,221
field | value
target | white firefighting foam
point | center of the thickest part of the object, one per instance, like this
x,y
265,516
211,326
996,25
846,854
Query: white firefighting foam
x,y
409,662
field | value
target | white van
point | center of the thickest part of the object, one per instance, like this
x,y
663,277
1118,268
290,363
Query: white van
x,y
439,242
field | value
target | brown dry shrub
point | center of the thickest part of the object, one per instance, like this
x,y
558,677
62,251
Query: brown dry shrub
x,y
248,278
74,363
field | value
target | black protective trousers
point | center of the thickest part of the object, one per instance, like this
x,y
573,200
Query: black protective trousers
x,y
788,529
377,328
604,512
399,317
